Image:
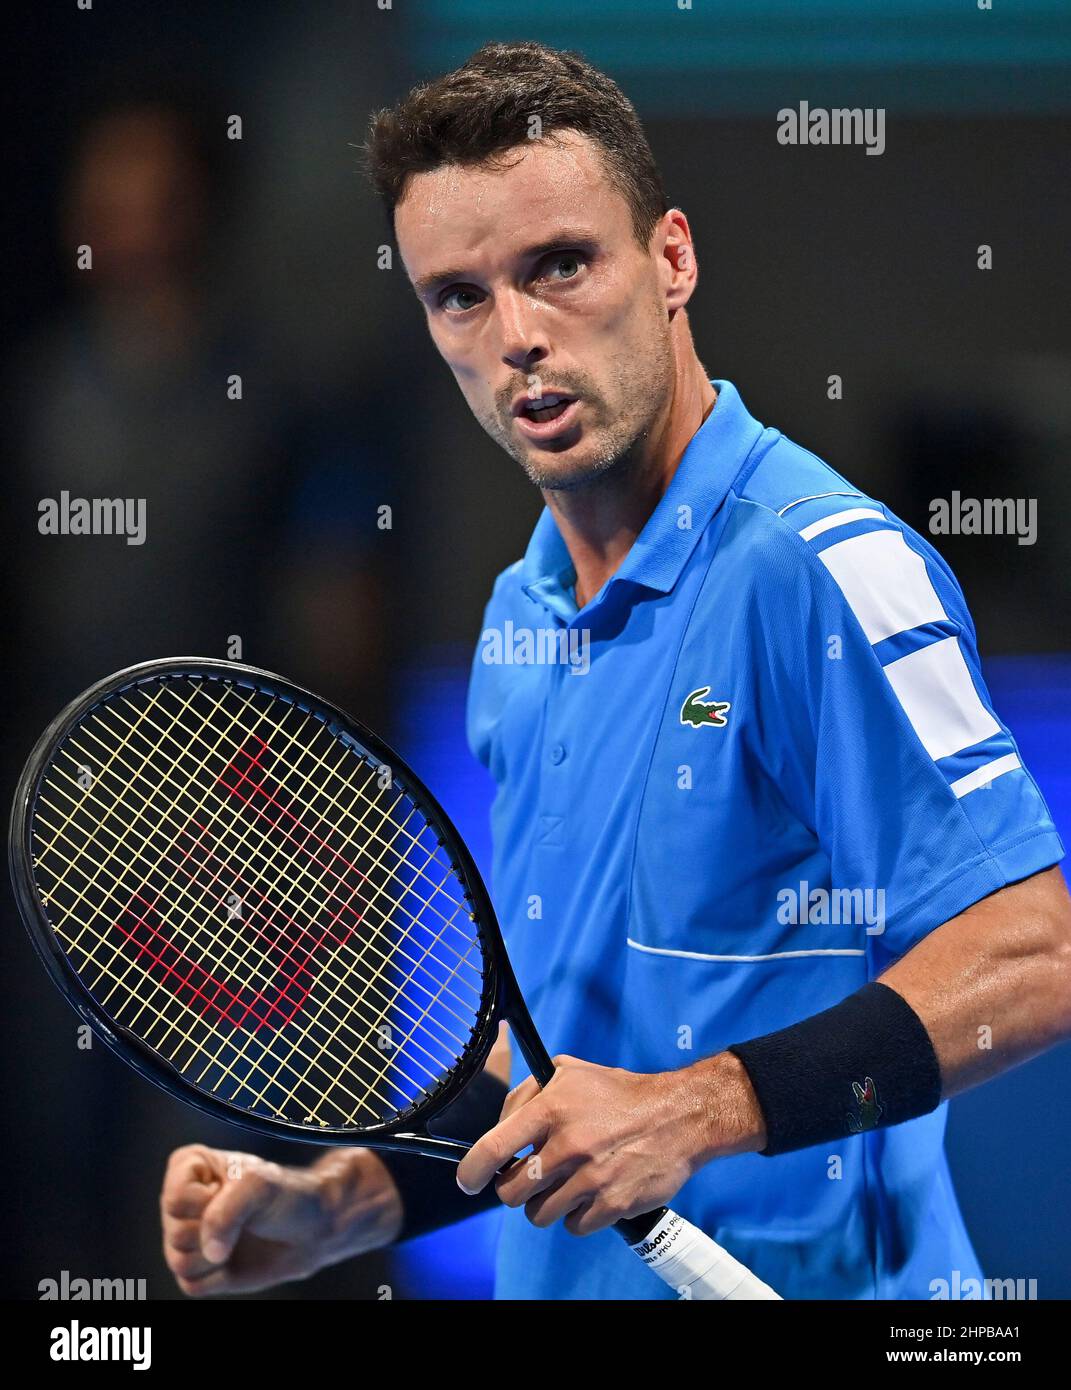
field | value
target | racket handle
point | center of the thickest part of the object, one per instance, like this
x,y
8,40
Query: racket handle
x,y
688,1260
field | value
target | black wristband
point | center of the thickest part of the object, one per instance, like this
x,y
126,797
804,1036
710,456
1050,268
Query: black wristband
x,y
864,1064
430,1195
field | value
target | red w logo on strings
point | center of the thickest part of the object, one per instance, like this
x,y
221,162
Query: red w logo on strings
x,y
231,887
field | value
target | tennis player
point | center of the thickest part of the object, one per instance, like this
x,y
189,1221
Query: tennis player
x,y
770,868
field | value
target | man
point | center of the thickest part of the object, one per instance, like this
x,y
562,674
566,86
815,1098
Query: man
x,y
770,869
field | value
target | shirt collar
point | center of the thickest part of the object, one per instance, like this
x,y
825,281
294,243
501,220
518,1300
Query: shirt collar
x,y
714,456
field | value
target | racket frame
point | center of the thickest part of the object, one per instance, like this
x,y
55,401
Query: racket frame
x,y
501,998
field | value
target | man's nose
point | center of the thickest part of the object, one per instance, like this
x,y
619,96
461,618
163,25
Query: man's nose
x,y
524,335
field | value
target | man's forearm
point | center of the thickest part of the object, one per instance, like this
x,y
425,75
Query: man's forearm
x,y
993,985
362,1204
989,989
372,1200
730,1120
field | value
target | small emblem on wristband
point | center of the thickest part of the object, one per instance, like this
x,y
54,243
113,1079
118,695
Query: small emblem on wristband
x,y
704,714
869,1109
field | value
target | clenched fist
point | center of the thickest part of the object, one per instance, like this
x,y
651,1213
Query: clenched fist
x,y
233,1223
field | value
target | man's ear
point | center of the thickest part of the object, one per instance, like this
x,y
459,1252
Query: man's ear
x,y
678,253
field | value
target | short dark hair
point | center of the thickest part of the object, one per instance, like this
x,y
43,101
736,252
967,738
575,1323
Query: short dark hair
x,y
484,108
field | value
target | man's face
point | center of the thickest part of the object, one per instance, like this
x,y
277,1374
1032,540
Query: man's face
x,y
534,286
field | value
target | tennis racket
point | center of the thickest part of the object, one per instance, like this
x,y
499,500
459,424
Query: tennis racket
x,y
257,905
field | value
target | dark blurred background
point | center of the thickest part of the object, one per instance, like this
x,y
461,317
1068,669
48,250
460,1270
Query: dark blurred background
x,y
237,357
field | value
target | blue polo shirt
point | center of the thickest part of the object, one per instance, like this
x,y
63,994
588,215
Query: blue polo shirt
x,y
757,768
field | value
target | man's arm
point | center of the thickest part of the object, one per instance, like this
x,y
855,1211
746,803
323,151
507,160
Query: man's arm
x,y
233,1223
992,987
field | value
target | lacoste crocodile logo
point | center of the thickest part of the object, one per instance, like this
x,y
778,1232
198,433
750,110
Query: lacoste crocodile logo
x,y
869,1108
702,713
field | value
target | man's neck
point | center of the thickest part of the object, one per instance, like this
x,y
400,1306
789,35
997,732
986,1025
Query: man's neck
x,y
600,524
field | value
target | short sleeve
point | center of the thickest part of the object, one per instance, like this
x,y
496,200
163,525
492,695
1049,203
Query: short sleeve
x,y
878,726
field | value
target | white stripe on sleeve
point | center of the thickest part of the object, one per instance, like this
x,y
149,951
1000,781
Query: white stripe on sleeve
x,y
982,776
827,523
885,582
937,693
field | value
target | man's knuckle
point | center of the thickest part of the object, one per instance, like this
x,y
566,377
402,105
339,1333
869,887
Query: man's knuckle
x,y
186,1154
251,1187
509,1194
499,1151
183,1263
614,1209
540,1212
175,1202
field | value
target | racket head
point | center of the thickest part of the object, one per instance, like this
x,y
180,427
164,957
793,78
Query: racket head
x,y
259,1022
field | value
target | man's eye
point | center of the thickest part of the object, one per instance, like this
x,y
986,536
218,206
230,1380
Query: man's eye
x,y
568,265
471,295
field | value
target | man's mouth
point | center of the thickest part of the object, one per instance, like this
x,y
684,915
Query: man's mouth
x,y
543,417
546,416
546,407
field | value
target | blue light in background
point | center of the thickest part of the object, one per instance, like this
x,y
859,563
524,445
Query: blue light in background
x,y
1008,1140
457,1262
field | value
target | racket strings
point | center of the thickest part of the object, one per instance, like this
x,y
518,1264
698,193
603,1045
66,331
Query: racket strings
x,y
171,1024
454,904
334,803
378,838
418,1020
343,986
231,995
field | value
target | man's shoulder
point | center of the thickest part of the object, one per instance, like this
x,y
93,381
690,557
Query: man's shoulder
x,y
796,487
799,526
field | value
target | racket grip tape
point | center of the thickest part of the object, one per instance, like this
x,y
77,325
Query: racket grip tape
x,y
693,1264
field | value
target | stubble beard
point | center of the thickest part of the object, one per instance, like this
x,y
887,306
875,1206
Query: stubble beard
x,y
618,447
614,451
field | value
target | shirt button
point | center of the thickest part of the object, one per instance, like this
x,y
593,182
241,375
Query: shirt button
x,y
557,754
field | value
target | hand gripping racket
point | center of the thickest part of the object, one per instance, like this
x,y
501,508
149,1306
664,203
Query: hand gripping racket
x,y
257,905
